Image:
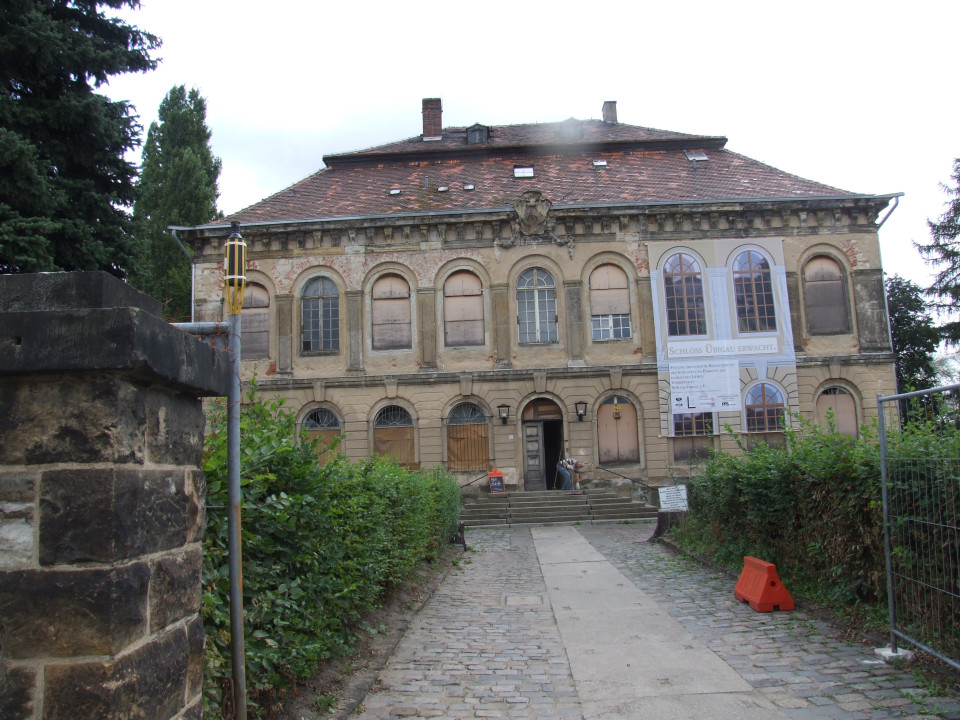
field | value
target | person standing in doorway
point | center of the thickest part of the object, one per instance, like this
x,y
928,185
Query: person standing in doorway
x,y
568,467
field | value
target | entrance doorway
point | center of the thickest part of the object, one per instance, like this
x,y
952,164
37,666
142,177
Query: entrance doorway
x,y
542,423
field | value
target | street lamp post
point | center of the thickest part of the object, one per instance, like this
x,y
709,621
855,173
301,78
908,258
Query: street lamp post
x,y
234,266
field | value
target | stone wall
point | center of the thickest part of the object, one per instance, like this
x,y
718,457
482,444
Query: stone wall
x,y
101,501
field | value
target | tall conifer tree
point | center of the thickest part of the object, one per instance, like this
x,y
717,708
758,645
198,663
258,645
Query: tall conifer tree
x,y
943,252
177,186
65,185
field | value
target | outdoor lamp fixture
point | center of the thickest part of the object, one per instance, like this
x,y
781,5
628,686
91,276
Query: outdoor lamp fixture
x,y
581,410
504,411
234,269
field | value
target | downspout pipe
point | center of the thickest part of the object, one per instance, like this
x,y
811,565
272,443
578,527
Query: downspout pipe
x,y
193,269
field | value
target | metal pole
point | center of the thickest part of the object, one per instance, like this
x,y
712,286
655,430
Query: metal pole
x,y
233,493
887,547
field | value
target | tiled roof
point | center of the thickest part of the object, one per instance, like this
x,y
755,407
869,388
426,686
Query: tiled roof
x,y
643,166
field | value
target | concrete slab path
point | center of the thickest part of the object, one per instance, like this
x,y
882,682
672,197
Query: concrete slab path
x,y
593,622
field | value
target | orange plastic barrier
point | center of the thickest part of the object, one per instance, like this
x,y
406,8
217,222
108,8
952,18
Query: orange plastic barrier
x,y
760,586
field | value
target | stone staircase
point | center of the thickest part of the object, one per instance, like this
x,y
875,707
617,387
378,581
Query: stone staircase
x,y
552,507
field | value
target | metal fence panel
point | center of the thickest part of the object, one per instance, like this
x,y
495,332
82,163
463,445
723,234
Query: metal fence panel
x,y
920,469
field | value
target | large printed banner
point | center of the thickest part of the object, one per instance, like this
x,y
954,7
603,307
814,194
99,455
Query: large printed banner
x,y
698,386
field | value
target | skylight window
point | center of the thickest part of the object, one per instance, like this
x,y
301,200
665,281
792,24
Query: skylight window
x,y
599,163
394,191
468,187
695,155
442,188
524,171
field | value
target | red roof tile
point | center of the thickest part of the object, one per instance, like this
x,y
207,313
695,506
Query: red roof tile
x,y
643,166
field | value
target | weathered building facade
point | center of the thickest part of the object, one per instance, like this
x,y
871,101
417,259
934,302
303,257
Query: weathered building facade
x,y
509,295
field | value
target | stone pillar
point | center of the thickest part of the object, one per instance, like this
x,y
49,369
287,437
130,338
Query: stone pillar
x,y
284,334
573,304
503,324
101,501
427,325
354,317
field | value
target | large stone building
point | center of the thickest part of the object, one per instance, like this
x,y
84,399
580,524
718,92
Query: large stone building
x,y
509,295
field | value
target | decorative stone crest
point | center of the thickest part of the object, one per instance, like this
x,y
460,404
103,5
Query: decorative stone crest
x,y
532,209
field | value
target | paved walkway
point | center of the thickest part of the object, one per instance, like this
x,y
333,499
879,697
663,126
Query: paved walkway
x,y
592,622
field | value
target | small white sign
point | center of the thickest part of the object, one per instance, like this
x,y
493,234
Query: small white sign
x,y
674,498
698,386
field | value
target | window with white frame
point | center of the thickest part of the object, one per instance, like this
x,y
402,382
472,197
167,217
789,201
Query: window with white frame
x,y
753,291
683,295
391,314
537,307
320,316
609,303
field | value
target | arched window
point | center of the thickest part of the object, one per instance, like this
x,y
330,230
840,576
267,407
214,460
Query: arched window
x,y
324,427
753,290
764,414
617,431
393,435
825,297
468,445
844,409
537,307
320,316
391,314
609,303
255,323
692,436
683,292
462,310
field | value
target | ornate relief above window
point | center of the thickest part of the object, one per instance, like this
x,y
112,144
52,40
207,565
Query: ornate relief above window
x,y
825,297
683,293
320,316
753,290
391,313
609,303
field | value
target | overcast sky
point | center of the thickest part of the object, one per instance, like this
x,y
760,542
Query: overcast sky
x,y
858,95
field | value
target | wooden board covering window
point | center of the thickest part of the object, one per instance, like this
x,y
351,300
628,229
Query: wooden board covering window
x,y
468,447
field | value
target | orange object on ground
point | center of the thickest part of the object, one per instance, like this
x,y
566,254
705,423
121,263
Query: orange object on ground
x,y
760,586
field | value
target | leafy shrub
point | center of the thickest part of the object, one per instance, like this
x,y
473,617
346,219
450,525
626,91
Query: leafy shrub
x,y
320,547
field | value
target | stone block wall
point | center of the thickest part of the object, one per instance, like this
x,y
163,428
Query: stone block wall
x,y
101,502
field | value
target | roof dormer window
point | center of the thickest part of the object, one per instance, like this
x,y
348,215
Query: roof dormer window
x,y
477,134
695,155
599,163
523,171
571,129
394,191
468,187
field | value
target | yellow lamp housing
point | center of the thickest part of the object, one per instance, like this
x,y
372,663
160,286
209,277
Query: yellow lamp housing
x,y
235,268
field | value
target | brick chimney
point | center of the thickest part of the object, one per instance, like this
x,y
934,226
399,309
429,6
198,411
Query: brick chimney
x,y
609,111
432,119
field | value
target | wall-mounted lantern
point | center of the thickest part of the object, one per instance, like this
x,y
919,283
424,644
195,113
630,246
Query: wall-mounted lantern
x,y
581,410
504,412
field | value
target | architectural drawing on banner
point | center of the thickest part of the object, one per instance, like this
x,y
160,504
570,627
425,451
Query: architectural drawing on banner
x,y
705,385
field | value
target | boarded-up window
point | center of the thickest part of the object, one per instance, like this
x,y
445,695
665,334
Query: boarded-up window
x,y
255,323
393,435
753,290
617,431
683,295
844,410
537,307
692,436
468,445
462,310
609,303
320,316
391,314
324,427
825,297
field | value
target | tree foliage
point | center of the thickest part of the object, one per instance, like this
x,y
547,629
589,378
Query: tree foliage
x,y
177,186
915,337
65,185
943,252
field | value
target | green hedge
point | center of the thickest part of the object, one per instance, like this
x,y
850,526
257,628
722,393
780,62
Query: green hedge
x,y
321,546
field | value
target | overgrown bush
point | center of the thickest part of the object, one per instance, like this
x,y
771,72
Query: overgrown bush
x,y
320,546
